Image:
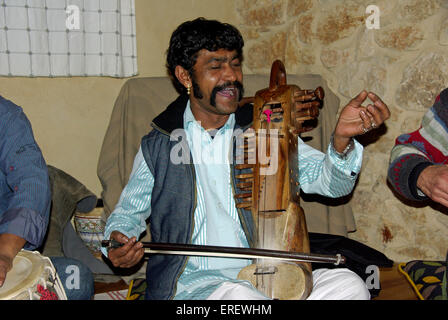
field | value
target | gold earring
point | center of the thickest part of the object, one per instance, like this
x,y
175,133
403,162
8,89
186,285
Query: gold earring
x,y
189,89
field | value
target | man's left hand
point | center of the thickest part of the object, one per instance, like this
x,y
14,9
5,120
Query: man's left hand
x,y
356,119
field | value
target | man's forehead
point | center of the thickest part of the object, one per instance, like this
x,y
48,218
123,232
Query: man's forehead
x,y
220,54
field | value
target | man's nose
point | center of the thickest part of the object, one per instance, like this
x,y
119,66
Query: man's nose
x,y
230,74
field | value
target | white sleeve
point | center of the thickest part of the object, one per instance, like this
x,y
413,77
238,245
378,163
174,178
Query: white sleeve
x,y
327,174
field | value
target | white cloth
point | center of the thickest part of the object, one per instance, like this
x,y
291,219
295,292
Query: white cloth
x,y
328,284
58,38
338,284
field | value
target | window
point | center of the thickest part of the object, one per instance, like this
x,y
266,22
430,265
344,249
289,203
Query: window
x,y
65,38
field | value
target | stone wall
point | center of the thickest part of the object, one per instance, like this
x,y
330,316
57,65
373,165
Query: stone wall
x,y
405,61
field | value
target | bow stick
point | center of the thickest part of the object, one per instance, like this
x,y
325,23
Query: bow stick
x,y
229,252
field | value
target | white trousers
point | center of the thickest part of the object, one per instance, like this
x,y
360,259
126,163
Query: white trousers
x,y
328,284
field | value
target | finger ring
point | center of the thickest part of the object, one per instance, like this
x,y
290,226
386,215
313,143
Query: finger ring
x,y
365,129
373,124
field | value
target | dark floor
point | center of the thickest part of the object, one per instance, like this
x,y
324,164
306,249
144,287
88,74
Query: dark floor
x,y
394,285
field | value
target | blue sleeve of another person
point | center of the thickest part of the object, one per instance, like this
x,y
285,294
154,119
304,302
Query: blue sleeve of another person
x,y
24,183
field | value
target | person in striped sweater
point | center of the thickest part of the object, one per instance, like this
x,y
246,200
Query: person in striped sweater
x,y
418,167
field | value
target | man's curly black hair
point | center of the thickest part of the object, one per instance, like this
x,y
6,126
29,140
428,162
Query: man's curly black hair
x,y
192,36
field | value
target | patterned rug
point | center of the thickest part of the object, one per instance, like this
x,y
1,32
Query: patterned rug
x,y
112,295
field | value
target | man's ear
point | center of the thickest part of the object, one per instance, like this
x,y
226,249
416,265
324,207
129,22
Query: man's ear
x,y
183,76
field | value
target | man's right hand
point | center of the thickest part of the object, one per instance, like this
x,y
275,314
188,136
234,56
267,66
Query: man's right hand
x,y
433,181
10,245
127,255
5,266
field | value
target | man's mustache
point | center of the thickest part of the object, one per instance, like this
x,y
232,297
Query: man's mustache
x,y
238,85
